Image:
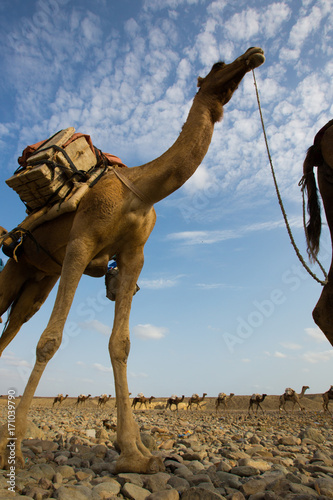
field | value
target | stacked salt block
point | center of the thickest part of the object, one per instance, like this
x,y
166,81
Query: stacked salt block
x,y
41,182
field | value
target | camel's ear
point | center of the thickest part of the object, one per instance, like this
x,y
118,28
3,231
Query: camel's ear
x,y
200,80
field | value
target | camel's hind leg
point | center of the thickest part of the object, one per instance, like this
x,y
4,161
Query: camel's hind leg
x,y
74,264
28,302
12,279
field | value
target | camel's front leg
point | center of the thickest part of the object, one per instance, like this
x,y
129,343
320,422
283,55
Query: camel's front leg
x,y
134,456
73,267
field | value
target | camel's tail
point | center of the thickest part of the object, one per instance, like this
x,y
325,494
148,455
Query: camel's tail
x,y
313,226
314,158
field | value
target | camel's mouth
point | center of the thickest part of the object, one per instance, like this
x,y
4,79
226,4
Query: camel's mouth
x,y
254,57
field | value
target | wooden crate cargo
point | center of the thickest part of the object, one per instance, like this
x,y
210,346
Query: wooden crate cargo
x,y
40,182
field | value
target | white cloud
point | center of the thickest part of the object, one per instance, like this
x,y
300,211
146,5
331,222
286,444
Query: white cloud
x,y
278,354
147,332
102,368
12,360
291,345
160,283
318,357
316,334
211,237
97,326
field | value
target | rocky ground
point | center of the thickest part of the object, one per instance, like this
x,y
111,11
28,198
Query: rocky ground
x,y
207,455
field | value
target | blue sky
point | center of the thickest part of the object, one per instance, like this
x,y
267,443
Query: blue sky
x,y
224,303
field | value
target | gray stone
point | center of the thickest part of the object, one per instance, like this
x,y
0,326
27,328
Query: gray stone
x,y
155,482
229,479
245,471
324,485
313,435
65,470
261,465
179,483
71,492
164,495
134,492
198,493
104,490
130,477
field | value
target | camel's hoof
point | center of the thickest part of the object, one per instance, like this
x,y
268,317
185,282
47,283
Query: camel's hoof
x,y
144,465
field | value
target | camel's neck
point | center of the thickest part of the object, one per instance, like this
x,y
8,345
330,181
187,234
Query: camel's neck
x,y
164,175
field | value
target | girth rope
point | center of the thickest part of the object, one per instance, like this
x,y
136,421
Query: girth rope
x,y
323,283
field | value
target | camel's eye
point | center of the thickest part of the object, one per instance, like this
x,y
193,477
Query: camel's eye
x,y
219,65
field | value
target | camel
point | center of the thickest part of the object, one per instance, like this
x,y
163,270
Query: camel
x,y
327,396
142,400
82,399
114,218
320,155
291,395
255,400
59,399
174,400
195,400
103,399
223,399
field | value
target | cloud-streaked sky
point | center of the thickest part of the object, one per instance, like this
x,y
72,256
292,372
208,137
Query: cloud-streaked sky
x,y
224,304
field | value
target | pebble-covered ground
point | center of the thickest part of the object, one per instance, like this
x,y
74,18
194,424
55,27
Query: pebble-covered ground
x,y
70,455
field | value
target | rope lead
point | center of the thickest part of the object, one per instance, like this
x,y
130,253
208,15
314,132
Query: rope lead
x,y
323,283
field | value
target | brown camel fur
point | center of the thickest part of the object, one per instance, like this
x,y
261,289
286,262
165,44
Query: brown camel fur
x,y
255,400
291,395
59,399
82,399
142,400
195,400
320,155
111,219
103,399
223,399
174,400
327,397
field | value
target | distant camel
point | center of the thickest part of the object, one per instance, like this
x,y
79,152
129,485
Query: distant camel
x,y
195,400
223,399
291,395
256,399
174,400
82,399
142,400
59,399
103,399
327,396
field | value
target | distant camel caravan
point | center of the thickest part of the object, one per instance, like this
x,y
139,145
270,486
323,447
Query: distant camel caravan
x,y
255,400
291,395
82,399
103,399
196,400
142,400
223,399
327,397
115,217
320,155
174,400
59,399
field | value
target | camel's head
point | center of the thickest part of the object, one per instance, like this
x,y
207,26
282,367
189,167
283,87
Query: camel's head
x,y
223,79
